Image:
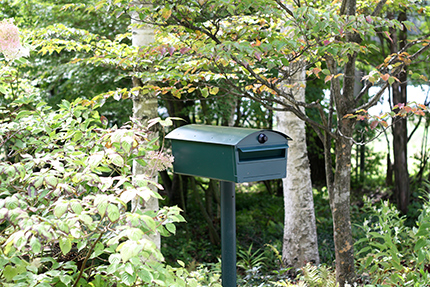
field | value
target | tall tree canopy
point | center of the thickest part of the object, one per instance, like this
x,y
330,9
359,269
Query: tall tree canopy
x,y
240,48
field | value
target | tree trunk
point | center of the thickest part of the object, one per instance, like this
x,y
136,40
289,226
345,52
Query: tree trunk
x,y
400,132
340,204
339,185
300,244
145,107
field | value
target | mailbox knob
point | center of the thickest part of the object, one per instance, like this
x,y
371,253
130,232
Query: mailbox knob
x,y
262,138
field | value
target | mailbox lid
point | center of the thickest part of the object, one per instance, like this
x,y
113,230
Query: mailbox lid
x,y
200,159
215,134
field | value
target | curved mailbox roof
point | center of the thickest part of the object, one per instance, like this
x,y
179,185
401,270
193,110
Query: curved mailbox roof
x,y
215,134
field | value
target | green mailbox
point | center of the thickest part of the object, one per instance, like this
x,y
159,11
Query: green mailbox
x,y
229,153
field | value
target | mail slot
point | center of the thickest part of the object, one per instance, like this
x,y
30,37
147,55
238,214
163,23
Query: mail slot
x,y
229,153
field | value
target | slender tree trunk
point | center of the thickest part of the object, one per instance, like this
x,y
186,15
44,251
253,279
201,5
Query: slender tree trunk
x,y
340,204
339,185
300,244
400,132
145,107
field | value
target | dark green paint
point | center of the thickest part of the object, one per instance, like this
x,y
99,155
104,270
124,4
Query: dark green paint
x,y
229,153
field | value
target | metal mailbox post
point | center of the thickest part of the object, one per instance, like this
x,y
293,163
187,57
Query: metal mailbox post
x,y
231,155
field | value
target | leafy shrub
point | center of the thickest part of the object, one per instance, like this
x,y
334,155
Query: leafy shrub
x,y
312,276
392,254
66,187
65,190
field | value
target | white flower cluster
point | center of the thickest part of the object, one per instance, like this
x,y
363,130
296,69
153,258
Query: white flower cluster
x,y
159,161
10,44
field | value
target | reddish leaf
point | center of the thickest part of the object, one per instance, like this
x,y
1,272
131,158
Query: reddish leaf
x,y
184,50
171,50
385,77
374,124
166,13
408,109
258,56
388,36
420,113
104,120
369,19
328,78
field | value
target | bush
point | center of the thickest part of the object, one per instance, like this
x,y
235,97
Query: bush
x,y
66,192
392,254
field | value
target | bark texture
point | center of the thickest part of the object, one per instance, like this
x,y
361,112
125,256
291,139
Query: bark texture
x,y
338,184
340,204
144,108
300,244
400,132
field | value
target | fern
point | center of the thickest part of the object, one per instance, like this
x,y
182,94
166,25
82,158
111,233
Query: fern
x,y
318,276
313,276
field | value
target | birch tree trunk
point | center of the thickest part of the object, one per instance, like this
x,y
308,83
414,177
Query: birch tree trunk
x,y
300,245
145,107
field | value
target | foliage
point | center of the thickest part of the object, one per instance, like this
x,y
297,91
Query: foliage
x,y
66,188
247,259
324,222
392,254
255,49
70,37
313,276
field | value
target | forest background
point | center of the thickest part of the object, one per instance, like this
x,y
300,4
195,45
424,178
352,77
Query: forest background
x,y
84,51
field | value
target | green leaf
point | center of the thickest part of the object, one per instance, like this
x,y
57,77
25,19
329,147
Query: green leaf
x,y
60,209
204,92
10,272
368,261
76,207
112,212
135,234
65,245
66,279
145,276
285,62
86,218
62,225
129,249
114,258
101,207
420,244
116,159
95,159
128,279
171,227
129,268
22,114
77,136
65,105
149,222
51,180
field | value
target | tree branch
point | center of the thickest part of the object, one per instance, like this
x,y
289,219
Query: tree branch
x,y
378,95
285,8
378,7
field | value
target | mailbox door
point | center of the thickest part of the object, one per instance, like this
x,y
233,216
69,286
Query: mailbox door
x,y
265,163
262,160
204,160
